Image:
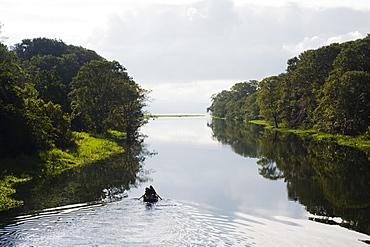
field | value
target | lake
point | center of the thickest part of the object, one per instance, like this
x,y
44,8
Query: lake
x,y
222,184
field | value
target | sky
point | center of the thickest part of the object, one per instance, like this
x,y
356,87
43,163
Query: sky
x,y
187,50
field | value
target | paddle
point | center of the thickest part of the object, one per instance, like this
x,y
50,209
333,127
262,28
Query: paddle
x,y
159,197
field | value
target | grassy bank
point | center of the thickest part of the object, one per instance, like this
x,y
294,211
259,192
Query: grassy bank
x,y
87,150
360,142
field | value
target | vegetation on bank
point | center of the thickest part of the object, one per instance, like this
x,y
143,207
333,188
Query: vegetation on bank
x,y
6,190
326,90
359,142
50,89
330,180
58,103
88,149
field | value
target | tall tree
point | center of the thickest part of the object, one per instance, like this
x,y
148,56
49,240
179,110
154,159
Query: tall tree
x,y
49,54
345,104
234,104
268,99
305,76
39,46
15,134
218,106
50,87
105,97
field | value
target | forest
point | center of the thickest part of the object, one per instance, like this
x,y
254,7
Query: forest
x,y
325,89
50,89
62,106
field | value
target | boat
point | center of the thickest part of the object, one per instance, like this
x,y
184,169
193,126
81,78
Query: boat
x,y
151,198
150,195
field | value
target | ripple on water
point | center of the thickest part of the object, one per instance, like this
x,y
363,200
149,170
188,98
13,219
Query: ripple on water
x,y
125,223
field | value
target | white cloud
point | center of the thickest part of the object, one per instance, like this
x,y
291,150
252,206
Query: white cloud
x,y
362,5
198,91
189,97
315,42
345,37
190,48
193,14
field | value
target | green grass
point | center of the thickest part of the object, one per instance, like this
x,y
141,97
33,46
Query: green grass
x,y
89,149
259,122
358,142
52,162
6,183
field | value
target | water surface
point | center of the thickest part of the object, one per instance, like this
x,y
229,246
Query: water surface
x,y
215,193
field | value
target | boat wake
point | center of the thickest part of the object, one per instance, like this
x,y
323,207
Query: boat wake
x,y
131,222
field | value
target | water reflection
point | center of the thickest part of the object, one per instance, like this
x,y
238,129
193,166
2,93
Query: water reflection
x,y
211,196
103,180
328,179
194,167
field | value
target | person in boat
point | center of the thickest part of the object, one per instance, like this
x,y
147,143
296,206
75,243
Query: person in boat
x,y
153,190
148,192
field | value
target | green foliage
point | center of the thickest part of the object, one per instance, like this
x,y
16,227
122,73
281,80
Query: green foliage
x,y
305,76
87,150
50,88
330,180
105,97
51,65
85,181
268,99
344,107
39,46
6,190
327,89
60,132
360,142
51,162
218,107
238,103
34,102
35,109
15,133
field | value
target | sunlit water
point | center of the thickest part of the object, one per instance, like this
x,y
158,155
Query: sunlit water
x,y
211,197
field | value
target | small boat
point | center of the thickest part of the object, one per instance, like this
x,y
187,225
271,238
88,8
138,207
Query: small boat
x,y
150,195
151,198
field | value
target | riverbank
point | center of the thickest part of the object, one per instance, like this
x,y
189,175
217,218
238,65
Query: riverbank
x,y
360,142
87,150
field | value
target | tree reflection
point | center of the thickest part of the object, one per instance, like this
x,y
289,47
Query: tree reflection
x,y
329,179
103,180
269,169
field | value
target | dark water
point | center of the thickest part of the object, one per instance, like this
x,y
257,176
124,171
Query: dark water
x,y
223,184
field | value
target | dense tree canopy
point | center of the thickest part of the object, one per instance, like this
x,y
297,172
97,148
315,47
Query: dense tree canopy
x,y
14,129
55,63
269,99
230,104
105,97
327,89
38,91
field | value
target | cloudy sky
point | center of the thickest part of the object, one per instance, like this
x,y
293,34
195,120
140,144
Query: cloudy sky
x,y
186,50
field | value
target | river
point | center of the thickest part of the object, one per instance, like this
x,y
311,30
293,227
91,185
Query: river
x,y
221,186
